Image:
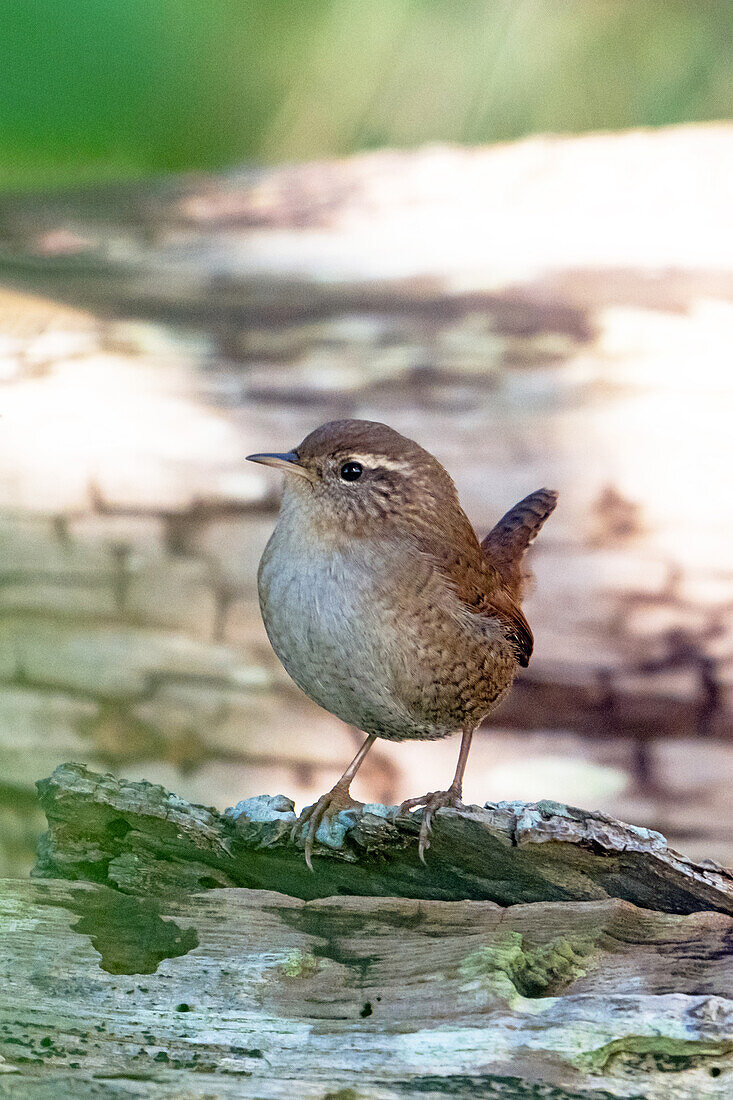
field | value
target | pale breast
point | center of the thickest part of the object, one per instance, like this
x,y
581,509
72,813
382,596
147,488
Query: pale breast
x,y
373,636
331,630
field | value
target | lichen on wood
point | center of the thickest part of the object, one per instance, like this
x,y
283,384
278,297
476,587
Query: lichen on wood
x,y
389,997
138,836
192,954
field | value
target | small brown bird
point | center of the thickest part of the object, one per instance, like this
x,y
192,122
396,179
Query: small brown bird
x,y
382,604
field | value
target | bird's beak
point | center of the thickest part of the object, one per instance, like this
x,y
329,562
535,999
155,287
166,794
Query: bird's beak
x,y
289,462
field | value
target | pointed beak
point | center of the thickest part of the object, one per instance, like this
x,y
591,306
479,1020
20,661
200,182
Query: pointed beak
x,y
290,462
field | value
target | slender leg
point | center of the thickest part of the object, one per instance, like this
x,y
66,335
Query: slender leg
x,y
435,799
328,805
457,784
357,761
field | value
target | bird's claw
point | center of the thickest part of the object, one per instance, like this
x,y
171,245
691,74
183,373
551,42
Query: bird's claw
x,y
327,806
431,802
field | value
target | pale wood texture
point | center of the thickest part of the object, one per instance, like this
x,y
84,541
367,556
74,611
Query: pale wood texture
x,y
254,994
157,978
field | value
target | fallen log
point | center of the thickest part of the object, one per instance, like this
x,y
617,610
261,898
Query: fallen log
x,y
543,952
139,837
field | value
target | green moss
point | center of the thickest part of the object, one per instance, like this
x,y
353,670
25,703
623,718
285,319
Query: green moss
x,y
299,964
129,933
556,964
661,1050
512,970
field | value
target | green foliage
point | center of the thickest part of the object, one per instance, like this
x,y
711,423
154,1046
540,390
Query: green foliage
x,y
97,89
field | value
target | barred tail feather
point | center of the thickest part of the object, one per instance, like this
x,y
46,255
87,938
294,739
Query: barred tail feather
x,y
506,543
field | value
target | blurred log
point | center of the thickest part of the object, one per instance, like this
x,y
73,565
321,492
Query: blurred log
x,y
383,259
533,312
142,981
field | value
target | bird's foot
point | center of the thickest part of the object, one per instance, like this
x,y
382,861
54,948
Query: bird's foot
x,y
430,803
328,806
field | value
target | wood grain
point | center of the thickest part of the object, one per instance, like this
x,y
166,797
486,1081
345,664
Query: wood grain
x,y
161,972
255,994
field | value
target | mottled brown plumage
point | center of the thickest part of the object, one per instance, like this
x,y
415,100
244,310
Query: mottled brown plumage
x,y
380,601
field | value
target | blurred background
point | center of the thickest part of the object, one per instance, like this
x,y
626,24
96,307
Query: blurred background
x,y
503,228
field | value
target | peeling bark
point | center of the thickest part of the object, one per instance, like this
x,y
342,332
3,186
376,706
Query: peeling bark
x,y
195,956
137,837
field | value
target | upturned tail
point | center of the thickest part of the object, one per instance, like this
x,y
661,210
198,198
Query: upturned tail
x,y
506,543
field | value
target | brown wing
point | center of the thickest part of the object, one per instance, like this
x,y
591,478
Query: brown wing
x,y
479,584
501,604
506,543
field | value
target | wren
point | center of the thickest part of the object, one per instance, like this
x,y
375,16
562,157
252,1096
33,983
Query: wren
x,y
382,604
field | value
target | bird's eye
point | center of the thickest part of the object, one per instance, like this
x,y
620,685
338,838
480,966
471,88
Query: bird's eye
x,y
351,471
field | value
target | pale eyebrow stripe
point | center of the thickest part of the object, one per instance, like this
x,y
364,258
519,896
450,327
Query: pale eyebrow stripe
x,y
380,463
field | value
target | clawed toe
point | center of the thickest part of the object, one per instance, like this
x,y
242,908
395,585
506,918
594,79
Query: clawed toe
x,y
327,806
431,802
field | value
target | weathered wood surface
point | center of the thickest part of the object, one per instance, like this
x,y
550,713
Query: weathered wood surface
x,y
166,975
138,836
240,993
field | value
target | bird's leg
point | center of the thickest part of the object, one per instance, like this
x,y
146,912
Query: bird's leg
x,y
435,799
331,803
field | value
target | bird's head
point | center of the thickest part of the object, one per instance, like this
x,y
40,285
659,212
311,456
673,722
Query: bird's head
x,y
359,477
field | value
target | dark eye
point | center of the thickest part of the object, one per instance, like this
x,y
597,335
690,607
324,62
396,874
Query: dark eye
x,y
351,471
